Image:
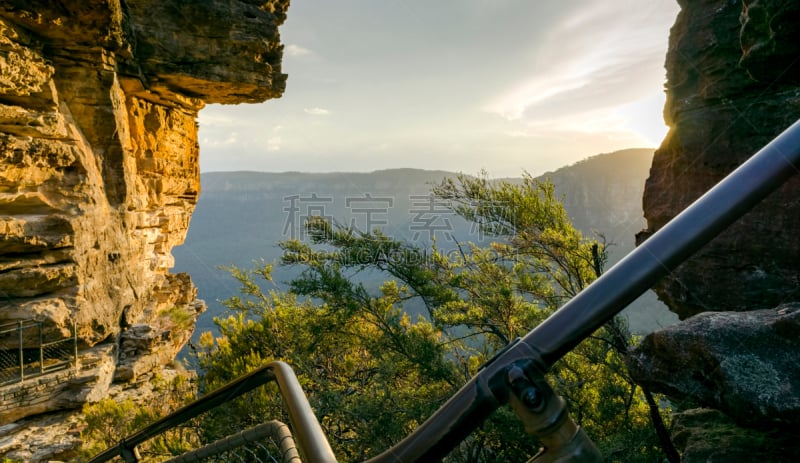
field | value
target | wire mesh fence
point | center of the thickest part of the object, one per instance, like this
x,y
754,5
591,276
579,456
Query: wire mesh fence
x,y
270,442
236,433
25,354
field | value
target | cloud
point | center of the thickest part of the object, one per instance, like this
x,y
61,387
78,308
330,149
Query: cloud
x,y
316,111
296,50
233,138
592,63
274,144
210,117
605,85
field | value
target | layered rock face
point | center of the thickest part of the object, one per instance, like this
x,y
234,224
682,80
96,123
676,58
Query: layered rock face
x,y
99,156
732,366
733,84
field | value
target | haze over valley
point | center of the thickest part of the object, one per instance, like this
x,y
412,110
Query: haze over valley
x,y
241,216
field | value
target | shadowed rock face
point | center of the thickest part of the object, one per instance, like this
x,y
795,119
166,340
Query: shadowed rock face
x,y
99,168
731,87
733,84
708,436
770,41
219,51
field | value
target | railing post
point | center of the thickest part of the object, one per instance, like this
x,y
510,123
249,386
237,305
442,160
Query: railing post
x,y
130,454
41,349
21,355
75,342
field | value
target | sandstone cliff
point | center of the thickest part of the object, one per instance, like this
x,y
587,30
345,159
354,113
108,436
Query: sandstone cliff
x,y
733,83
99,165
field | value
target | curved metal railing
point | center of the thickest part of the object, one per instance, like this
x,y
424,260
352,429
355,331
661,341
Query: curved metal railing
x,y
248,445
311,440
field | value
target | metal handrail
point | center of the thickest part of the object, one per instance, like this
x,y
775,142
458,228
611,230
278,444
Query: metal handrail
x,y
547,343
272,429
311,440
704,219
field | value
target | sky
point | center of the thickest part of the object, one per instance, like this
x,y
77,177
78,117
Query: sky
x,y
504,86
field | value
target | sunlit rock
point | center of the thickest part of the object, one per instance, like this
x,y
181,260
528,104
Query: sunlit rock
x,y
99,169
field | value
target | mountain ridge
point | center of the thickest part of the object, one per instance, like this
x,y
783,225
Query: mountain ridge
x,y
242,215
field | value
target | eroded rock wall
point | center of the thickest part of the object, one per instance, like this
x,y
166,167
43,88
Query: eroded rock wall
x,y
99,156
732,365
733,84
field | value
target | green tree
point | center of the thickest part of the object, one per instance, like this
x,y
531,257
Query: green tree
x,y
355,363
373,374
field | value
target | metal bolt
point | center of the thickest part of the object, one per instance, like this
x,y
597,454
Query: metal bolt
x,y
531,398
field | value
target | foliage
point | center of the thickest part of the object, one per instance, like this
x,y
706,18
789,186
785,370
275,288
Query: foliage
x,y
354,366
109,421
177,317
373,374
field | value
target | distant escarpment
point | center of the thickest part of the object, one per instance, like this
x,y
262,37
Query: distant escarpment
x,y
732,366
99,173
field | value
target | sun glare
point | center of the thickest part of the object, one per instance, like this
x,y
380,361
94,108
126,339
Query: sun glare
x,y
644,117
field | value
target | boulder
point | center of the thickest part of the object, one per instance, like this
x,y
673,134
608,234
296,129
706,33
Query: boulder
x,y
744,364
708,436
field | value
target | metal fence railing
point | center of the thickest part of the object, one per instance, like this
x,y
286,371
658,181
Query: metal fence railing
x,y
30,355
271,442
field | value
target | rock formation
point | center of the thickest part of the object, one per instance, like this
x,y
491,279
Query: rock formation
x,y
742,363
732,86
731,367
99,162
